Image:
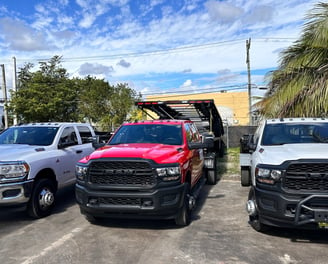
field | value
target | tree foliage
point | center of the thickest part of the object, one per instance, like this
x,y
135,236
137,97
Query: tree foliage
x,y
49,95
44,95
298,88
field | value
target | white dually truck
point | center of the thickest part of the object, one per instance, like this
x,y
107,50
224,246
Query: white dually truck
x,y
37,159
285,163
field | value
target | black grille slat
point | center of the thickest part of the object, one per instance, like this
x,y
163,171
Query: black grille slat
x,y
120,201
128,173
307,176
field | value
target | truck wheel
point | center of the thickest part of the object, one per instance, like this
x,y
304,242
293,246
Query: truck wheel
x,y
211,178
184,216
245,177
42,199
254,219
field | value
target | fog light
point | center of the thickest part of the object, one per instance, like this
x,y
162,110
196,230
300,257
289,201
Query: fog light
x,y
11,193
251,208
147,203
93,201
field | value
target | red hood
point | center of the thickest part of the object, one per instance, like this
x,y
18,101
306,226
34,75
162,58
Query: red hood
x,y
158,152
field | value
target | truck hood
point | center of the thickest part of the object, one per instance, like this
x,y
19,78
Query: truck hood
x,y
158,152
12,152
278,154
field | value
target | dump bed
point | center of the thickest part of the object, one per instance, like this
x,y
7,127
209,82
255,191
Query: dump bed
x,y
202,112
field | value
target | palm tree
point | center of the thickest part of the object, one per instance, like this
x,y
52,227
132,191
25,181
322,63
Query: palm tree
x,y
299,87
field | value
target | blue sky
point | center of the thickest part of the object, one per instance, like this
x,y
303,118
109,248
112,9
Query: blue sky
x,y
156,46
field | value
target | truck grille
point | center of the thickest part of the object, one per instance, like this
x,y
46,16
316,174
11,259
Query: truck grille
x,y
307,176
127,173
120,201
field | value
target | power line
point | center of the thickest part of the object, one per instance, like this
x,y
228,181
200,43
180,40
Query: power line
x,y
162,51
209,89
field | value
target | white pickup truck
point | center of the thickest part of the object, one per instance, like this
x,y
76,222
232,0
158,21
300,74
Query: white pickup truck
x,y
39,158
286,164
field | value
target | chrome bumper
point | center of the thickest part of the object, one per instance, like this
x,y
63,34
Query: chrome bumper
x,y
15,193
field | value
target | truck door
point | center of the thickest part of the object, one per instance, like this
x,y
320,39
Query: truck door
x,y
69,154
85,141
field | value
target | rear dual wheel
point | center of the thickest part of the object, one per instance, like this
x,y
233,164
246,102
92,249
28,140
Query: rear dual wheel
x,y
211,174
245,176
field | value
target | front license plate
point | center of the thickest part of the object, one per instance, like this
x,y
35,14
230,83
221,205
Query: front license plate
x,y
323,225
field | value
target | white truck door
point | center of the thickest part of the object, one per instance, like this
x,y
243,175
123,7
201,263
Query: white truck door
x,y
69,153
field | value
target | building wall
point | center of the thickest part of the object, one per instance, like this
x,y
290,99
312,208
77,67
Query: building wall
x,y
232,106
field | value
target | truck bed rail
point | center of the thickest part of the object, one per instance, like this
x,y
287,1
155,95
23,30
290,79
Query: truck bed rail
x,y
202,112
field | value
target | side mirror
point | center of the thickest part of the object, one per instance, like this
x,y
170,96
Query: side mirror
x,y
208,140
96,142
246,144
196,145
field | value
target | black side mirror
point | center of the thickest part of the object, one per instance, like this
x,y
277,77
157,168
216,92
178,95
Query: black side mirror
x,y
247,144
96,142
196,145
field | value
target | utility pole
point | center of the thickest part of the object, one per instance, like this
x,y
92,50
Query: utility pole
x,y
4,92
248,46
15,85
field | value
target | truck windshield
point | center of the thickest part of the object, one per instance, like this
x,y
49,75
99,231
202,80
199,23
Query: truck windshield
x,y
153,133
40,136
293,133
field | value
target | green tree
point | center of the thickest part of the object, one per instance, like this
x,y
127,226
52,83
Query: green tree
x,y
49,95
104,104
44,95
94,96
299,86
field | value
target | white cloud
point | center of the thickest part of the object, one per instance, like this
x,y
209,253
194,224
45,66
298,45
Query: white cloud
x,y
20,36
223,12
259,14
87,20
187,83
95,69
124,63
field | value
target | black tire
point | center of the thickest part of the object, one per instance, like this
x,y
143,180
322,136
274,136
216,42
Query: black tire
x,y
184,216
245,177
92,219
254,220
212,174
222,149
42,200
211,177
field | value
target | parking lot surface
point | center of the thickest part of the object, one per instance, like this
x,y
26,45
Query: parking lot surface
x,y
218,234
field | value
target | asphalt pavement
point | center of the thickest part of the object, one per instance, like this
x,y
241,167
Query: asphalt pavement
x,y
219,234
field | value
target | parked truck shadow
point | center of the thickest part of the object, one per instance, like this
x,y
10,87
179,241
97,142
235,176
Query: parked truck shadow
x,y
303,236
65,198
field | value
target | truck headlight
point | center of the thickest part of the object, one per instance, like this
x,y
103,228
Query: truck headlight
x,y
81,172
266,175
169,173
13,171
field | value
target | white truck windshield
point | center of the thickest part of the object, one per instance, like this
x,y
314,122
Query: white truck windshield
x,y
293,133
40,136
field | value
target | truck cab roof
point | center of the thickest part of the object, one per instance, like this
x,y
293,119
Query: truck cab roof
x,y
296,120
48,124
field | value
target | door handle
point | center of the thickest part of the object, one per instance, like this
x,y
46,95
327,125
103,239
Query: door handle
x,y
79,151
